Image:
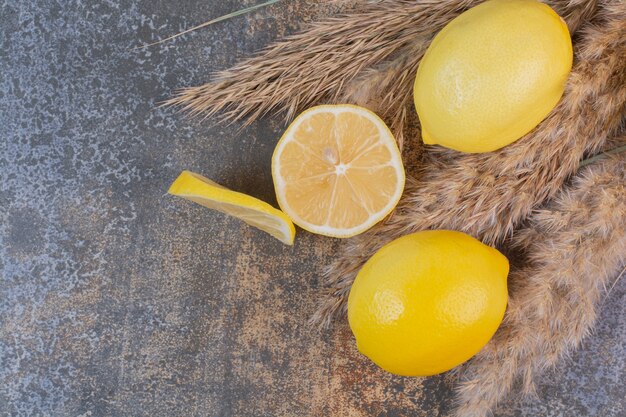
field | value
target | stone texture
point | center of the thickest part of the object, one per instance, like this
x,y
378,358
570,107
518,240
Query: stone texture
x,y
118,300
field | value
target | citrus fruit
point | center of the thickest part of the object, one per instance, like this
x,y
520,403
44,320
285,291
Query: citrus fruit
x,y
253,211
428,302
337,170
492,75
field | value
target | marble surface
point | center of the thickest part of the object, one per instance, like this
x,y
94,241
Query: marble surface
x,y
119,300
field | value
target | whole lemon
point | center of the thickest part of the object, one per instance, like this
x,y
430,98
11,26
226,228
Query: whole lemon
x,y
428,302
492,75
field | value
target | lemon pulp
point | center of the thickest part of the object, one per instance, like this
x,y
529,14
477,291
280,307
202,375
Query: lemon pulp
x,y
337,170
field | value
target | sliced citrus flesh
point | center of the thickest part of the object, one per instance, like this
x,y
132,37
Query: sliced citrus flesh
x,y
337,170
257,213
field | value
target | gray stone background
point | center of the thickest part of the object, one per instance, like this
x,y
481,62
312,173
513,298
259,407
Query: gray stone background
x,y
118,300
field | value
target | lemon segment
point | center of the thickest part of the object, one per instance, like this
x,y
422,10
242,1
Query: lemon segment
x,y
257,213
337,170
428,302
492,75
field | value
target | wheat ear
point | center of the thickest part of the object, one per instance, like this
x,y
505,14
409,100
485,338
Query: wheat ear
x,y
315,65
487,195
572,247
320,63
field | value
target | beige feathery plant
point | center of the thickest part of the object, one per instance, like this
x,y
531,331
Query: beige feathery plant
x,y
368,56
212,22
317,65
572,248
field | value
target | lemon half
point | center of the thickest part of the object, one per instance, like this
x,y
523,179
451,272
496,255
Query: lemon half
x,y
337,170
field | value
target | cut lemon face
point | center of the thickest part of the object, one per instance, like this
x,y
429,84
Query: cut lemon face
x,y
337,170
253,211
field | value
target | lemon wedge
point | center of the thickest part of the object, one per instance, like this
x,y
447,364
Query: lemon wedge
x,y
257,213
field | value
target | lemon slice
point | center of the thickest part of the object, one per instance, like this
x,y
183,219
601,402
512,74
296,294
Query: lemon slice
x,y
251,210
337,170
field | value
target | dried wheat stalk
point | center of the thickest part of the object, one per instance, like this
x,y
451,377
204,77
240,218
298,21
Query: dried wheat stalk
x,y
368,57
571,247
316,65
487,195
